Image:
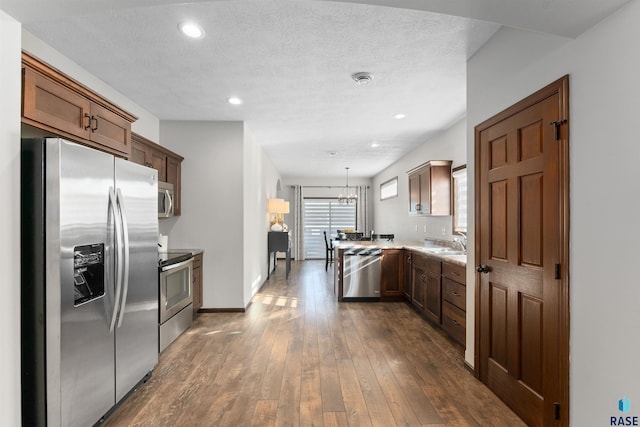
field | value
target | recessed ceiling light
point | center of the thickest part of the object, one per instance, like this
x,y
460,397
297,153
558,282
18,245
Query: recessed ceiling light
x,y
332,153
399,116
234,101
191,29
375,144
362,78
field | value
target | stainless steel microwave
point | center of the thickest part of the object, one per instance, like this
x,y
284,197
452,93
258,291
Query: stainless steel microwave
x,y
165,199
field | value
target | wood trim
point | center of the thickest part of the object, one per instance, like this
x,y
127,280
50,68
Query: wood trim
x,y
142,140
223,310
560,87
59,77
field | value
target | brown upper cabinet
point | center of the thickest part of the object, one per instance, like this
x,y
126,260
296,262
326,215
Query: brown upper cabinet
x,y
430,188
166,162
53,102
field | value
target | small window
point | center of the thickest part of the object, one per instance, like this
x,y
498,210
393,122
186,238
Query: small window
x,y
389,189
459,175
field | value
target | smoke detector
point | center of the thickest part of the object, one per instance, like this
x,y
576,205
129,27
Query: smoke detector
x,y
362,78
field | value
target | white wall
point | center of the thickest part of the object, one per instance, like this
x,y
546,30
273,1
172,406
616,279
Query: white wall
x,y
10,84
603,64
212,204
392,215
260,182
147,124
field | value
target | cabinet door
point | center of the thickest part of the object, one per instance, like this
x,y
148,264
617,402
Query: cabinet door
x,y
408,284
138,153
173,176
425,189
197,283
55,106
110,130
432,305
159,162
440,190
414,193
419,286
391,278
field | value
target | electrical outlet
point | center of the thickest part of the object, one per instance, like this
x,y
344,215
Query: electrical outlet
x,y
425,228
416,228
444,231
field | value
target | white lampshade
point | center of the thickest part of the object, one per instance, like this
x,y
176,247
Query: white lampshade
x,y
285,207
273,205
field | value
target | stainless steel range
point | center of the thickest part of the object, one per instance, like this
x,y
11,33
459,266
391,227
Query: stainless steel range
x,y
175,296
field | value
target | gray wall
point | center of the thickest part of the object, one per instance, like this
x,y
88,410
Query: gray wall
x,y
392,215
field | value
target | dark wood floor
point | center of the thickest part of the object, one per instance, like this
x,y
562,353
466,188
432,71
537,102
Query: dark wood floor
x,y
299,358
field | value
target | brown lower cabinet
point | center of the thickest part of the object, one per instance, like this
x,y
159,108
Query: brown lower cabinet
x,y
197,283
391,273
437,289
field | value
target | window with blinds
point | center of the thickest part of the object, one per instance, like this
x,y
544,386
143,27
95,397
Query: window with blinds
x,y
460,199
324,215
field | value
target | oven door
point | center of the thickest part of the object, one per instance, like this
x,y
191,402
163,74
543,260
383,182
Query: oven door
x,y
175,288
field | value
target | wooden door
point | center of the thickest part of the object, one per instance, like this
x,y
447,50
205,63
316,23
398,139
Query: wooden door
x,y
521,248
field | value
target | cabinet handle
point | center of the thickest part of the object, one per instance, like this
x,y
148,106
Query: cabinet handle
x,y
418,207
88,126
94,118
455,294
455,322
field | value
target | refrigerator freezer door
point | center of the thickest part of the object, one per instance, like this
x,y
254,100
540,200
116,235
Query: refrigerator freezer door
x,y
81,350
137,325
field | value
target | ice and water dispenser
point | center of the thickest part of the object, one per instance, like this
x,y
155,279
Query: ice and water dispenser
x,y
88,273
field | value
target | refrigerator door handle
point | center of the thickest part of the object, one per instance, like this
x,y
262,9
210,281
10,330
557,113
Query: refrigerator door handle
x,y
118,258
125,241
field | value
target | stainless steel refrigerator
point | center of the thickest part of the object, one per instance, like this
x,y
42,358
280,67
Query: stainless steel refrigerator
x,y
89,281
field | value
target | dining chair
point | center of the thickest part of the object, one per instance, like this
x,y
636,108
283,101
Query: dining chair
x,y
328,253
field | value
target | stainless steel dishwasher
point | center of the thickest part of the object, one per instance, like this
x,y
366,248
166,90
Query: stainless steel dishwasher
x,y
361,279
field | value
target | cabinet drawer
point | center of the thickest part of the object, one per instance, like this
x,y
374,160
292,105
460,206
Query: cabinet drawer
x,y
455,272
455,293
426,262
454,322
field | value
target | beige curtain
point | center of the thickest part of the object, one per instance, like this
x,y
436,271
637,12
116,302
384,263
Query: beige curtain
x,y
363,211
297,233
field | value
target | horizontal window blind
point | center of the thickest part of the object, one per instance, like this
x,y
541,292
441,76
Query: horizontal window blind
x,y
324,215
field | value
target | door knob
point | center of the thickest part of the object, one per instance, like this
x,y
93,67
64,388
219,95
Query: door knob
x,y
483,269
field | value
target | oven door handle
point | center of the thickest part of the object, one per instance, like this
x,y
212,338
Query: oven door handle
x,y
176,265
118,259
125,241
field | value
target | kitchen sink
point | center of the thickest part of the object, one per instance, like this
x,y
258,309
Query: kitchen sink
x,y
443,251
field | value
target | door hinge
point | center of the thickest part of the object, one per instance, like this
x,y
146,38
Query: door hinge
x,y
557,272
556,128
556,410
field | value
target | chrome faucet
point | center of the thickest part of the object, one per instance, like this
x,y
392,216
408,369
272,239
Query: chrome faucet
x,y
462,241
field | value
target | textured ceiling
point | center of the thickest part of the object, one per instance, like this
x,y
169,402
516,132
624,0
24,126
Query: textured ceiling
x,y
290,61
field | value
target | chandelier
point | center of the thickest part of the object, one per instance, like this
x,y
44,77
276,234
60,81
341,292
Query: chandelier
x,y
348,198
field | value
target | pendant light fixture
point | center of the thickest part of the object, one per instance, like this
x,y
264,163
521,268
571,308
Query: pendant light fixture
x,y
348,198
